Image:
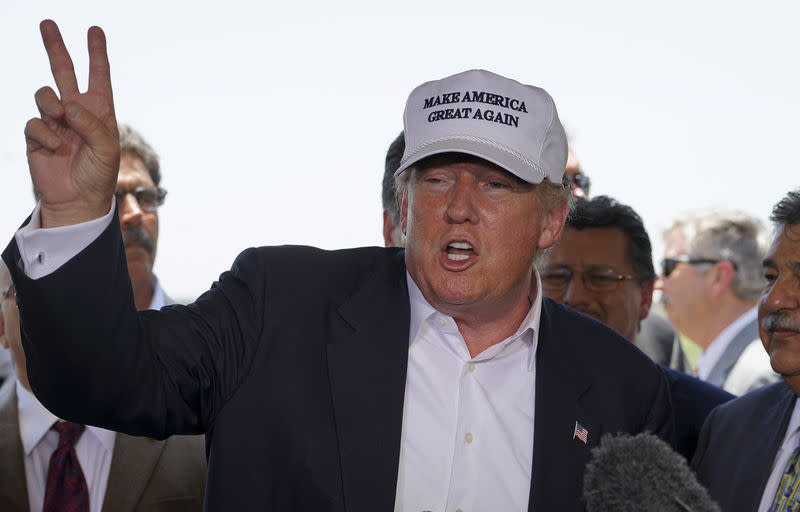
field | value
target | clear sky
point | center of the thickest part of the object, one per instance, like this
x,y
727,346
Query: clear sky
x,y
272,120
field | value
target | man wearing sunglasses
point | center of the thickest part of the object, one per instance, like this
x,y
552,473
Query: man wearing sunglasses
x,y
749,450
710,282
602,266
574,177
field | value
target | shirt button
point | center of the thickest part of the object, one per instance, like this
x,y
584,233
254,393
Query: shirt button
x,y
468,437
442,321
471,367
459,510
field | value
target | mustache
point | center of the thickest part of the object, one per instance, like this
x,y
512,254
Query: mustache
x,y
136,235
783,321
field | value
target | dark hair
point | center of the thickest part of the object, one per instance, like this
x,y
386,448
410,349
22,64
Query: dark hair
x,y
132,142
787,211
388,195
607,212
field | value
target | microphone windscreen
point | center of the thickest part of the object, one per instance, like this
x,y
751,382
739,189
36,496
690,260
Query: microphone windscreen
x,y
641,472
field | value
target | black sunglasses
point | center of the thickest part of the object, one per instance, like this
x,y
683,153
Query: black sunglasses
x,y
669,264
580,180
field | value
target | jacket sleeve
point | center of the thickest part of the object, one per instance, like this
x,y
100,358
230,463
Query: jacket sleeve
x,y
93,358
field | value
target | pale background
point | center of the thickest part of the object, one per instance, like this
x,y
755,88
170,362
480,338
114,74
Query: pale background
x,y
272,120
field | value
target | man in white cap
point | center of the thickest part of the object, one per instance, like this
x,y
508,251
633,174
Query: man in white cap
x,y
435,378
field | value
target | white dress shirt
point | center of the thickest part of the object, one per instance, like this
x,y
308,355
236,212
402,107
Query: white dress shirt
x,y
720,344
790,441
467,441
467,433
94,449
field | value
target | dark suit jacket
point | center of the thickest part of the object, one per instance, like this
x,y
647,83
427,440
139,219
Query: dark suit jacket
x,y
692,401
145,475
738,445
655,338
294,365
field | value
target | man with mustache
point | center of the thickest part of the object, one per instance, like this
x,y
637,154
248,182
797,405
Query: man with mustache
x,y
139,195
748,451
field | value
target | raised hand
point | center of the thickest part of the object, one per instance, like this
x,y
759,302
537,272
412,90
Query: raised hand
x,y
73,148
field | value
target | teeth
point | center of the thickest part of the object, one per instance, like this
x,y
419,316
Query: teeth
x,y
457,257
460,245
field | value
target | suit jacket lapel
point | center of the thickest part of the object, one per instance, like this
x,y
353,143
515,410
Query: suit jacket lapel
x,y
13,486
743,338
561,381
367,363
756,460
132,466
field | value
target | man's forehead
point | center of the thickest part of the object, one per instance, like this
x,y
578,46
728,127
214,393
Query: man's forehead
x,y
132,172
785,247
606,242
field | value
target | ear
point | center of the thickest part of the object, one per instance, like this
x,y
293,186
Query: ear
x,y
553,225
720,276
647,299
388,227
402,202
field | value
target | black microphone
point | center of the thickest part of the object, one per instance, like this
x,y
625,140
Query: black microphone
x,y
641,472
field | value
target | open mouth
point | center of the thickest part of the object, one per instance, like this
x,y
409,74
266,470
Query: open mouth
x,y
459,251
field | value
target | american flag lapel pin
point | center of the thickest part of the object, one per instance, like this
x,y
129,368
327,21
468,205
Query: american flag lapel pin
x,y
580,432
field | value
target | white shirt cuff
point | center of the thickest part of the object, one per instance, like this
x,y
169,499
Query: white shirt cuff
x,y
43,251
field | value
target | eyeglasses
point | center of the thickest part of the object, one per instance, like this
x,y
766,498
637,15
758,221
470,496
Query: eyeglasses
x,y
9,292
598,280
668,264
149,198
580,180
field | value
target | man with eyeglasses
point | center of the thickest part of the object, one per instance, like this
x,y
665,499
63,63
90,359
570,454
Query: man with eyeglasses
x,y
138,197
710,282
602,266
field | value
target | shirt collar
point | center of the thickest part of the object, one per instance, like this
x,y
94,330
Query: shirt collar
x,y
35,421
160,298
421,310
720,344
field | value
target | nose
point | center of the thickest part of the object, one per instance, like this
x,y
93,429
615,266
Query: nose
x,y
659,284
576,292
461,207
130,212
781,295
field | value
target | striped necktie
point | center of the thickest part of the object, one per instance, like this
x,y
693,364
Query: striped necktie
x,y
787,498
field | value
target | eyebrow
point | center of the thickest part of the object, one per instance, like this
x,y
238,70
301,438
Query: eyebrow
x,y
794,265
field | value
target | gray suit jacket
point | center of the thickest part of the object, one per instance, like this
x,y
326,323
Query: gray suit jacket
x,y
743,367
146,475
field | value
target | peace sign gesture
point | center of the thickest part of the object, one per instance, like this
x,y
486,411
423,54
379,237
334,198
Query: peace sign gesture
x,y
73,148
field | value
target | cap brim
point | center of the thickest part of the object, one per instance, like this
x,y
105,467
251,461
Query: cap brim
x,y
490,151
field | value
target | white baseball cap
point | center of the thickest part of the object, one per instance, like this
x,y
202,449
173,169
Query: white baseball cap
x,y
477,112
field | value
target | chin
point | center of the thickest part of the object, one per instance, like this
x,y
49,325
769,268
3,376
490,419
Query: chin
x,y
787,365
